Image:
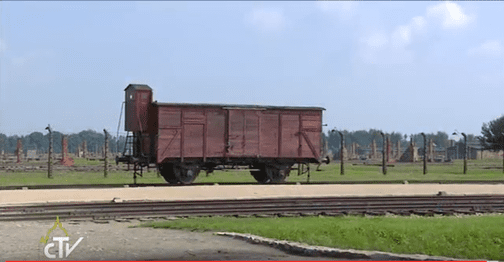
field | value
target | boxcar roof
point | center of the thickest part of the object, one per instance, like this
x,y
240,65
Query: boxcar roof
x,y
138,87
230,106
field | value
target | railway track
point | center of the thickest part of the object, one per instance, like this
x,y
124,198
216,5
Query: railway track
x,y
420,205
88,186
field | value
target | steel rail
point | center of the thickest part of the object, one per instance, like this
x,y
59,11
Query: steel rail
x,y
276,201
427,205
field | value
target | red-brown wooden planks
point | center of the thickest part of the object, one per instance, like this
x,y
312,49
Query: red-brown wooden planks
x,y
138,102
269,135
236,133
204,132
215,133
310,130
251,133
169,143
289,135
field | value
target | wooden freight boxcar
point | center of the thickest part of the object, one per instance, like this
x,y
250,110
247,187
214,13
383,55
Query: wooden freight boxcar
x,y
183,139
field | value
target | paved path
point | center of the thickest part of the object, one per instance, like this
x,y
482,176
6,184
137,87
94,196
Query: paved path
x,y
33,196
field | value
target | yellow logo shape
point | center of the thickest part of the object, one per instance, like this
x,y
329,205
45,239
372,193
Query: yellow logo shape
x,y
56,224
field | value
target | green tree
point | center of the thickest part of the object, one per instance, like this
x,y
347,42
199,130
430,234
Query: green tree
x,y
35,140
395,136
492,137
441,139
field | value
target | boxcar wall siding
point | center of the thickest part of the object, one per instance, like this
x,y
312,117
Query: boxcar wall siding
x,y
310,130
193,135
243,133
215,132
153,129
169,134
289,145
187,134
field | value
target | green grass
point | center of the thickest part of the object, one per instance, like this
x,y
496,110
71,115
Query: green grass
x,y
486,169
85,162
477,170
467,237
69,178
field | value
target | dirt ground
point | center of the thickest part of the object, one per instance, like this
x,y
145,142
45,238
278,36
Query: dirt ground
x,y
117,241
16,197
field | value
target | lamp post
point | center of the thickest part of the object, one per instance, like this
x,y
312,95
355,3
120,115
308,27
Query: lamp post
x,y
465,150
424,154
384,165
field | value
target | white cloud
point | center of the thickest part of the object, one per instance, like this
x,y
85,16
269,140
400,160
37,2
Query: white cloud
x,y
269,20
490,48
376,40
418,22
450,14
392,47
401,36
380,48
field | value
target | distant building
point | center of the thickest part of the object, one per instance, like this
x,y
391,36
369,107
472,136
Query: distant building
x,y
474,151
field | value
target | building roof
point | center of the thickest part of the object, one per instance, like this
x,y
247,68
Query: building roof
x,y
138,87
468,146
231,106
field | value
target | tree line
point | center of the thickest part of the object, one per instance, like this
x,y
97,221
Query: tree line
x,y
492,138
40,142
364,138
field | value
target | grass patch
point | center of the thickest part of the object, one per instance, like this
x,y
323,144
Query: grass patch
x,y
86,162
486,169
466,237
70,178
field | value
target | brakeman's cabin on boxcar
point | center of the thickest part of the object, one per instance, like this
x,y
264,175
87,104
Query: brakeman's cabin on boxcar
x,y
183,139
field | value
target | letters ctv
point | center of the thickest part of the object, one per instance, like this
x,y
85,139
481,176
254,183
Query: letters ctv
x,y
51,248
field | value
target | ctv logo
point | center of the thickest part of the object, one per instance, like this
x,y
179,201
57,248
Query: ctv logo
x,y
60,240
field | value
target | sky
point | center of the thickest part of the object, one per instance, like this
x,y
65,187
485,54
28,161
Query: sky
x,y
405,67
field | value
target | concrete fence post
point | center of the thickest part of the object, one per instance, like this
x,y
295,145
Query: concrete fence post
x,y
342,154
105,169
19,150
49,157
384,148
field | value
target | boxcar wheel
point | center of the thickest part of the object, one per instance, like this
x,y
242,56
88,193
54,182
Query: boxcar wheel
x,y
277,173
186,174
166,171
271,174
260,175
